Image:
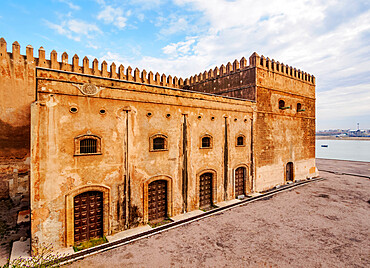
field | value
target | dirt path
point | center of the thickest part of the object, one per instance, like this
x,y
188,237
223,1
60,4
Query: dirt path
x,y
323,224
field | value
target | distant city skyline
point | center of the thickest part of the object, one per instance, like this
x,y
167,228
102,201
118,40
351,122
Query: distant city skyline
x,y
329,39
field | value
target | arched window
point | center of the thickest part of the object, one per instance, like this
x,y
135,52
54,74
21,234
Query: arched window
x,y
158,142
87,144
240,140
281,104
206,141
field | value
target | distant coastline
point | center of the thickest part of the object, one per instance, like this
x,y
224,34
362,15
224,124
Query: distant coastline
x,y
319,137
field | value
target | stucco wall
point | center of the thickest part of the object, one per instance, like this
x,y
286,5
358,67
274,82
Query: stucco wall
x,y
57,172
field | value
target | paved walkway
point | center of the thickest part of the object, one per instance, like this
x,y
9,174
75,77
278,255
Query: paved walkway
x,y
322,224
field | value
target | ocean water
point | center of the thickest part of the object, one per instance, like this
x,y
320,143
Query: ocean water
x,y
356,150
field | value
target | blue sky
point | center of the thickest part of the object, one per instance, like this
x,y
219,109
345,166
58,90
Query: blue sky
x,y
327,38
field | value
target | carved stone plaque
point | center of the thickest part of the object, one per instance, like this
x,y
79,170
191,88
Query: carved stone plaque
x,y
88,89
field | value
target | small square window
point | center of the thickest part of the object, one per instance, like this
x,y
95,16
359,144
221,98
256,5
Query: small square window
x,y
87,144
158,142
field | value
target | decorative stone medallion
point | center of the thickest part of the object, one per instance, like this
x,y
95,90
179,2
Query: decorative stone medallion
x,y
88,89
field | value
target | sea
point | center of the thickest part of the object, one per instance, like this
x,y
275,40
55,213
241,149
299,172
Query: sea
x,y
355,150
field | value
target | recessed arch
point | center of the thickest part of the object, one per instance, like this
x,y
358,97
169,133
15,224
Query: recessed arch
x,y
213,183
69,205
240,140
87,144
158,142
206,141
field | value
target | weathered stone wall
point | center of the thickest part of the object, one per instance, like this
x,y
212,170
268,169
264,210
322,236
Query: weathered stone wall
x,y
133,113
234,80
279,135
17,80
283,135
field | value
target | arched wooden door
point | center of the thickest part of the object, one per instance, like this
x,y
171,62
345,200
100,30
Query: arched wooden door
x,y
205,190
289,171
157,200
88,216
240,174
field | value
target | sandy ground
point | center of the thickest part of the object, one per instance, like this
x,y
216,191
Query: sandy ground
x,y
322,224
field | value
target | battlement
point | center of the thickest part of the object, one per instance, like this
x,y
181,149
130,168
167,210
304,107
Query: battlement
x,y
254,61
86,68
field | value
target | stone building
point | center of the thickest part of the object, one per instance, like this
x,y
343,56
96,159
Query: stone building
x,y
113,149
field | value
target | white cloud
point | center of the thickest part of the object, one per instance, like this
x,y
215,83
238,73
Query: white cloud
x,y
180,48
70,4
114,16
75,29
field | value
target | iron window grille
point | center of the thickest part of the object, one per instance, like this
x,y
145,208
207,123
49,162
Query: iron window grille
x,y
158,142
87,145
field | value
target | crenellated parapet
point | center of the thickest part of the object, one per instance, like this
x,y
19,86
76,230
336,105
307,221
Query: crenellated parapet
x,y
281,68
93,68
254,61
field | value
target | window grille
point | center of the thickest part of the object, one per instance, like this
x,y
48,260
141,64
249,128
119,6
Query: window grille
x,y
88,146
206,142
159,143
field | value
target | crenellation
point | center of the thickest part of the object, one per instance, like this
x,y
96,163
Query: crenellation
x,y
205,75
3,49
121,72
176,82
157,78
75,64
163,80
263,61
229,68
187,82
151,78
41,60
191,80
54,64
29,54
95,67
268,63
210,73
181,82
236,65
85,65
143,76
216,72
243,63
222,70
128,74
113,73
16,50
273,65
104,69
137,75
169,81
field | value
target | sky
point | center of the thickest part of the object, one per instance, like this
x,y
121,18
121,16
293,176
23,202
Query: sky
x,y
327,38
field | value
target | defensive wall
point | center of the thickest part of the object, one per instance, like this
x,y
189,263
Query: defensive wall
x,y
271,106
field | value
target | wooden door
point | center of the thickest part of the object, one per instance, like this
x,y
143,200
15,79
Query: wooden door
x,y
205,190
289,171
88,216
240,181
157,200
